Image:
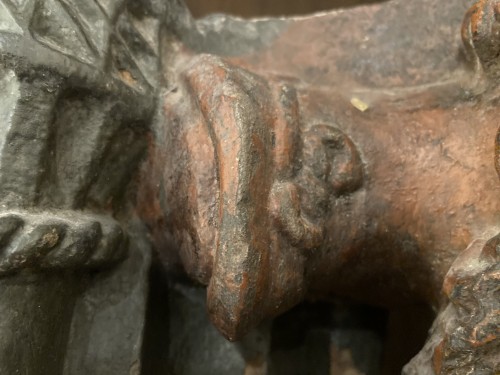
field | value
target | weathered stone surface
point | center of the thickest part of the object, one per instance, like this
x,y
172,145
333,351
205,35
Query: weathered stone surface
x,y
465,338
362,184
73,130
19,5
52,26
92,22
269,161
110,6
8,23
58,241
26,133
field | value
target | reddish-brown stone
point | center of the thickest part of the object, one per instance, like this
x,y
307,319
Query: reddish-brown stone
x,y
351,173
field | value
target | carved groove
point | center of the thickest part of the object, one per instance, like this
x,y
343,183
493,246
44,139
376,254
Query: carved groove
x,y
25,134
83,128
110,7
93,23
91,32
143,56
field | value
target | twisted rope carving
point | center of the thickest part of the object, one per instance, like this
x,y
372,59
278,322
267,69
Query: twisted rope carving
x,y
58,241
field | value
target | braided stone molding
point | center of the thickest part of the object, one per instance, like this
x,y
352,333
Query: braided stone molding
x,y
59,240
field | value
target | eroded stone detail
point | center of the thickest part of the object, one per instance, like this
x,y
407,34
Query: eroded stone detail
x,y
110,6
480,36
140,50
72,135
331,167
9,86
355,196
261,181
91,33
267,189
19,5
8,22
465,338
92,22
53,26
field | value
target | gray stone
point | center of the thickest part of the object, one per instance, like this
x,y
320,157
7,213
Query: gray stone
x,y
110,6
20,5
75,112
195,346
9,95
93,23
35,315
232,36
108,320
7,21
54,27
